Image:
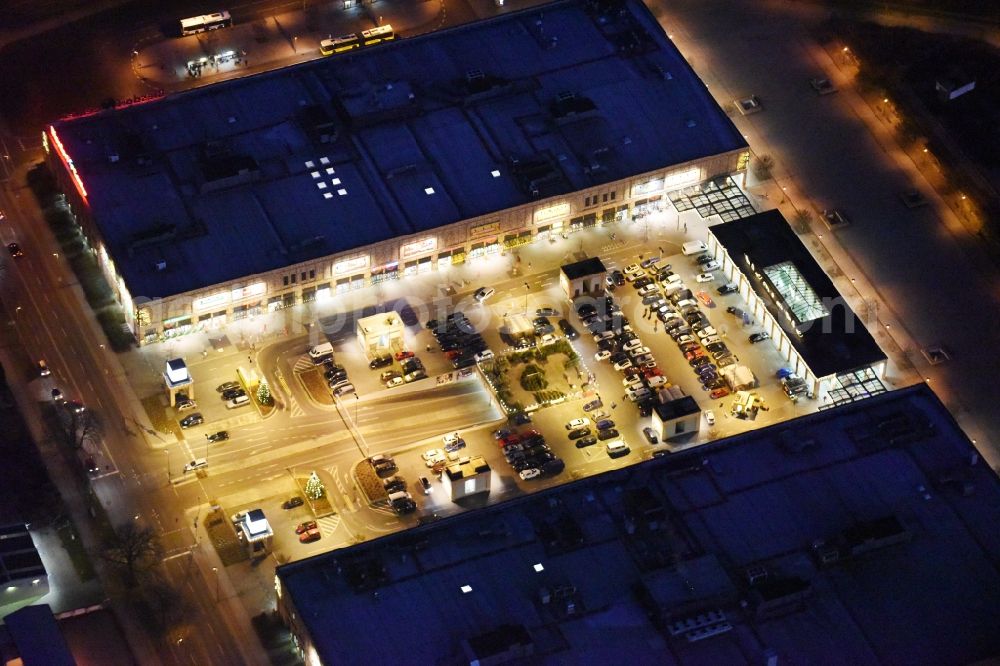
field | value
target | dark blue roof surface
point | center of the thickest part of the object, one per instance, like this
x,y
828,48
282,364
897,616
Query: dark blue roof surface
x,y
440,111
760,498
37,637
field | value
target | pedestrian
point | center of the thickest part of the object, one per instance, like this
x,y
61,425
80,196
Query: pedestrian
x,y
685,227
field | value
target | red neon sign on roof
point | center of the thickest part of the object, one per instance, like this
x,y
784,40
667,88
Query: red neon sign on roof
x,y
68,162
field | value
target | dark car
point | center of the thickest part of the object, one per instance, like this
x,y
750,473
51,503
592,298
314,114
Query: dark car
x,y
704,259
577,433
605,424
335,375
15,250
592,405
545,312
404,505
544,329
701,360
642,282
192,420
552,467
645,408
380,362
758,337
432,324
228,386
394,484
292,503
716,347
91,466
586,310
233,393
735,311
607,434
568,329
220,436
727,289
584,442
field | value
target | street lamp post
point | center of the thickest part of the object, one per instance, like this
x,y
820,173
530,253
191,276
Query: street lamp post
x,y
167,451
527,288
216,571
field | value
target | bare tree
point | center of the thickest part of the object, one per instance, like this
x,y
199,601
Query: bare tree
x,y
802,221
78,427
133,549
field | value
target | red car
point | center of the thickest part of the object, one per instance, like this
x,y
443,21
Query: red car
x,y
653,372
694,353
309,536
403,355
706,299
719,393
510,439
305,527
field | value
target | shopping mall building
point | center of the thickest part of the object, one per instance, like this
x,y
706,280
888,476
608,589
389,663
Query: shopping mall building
x,y
296,185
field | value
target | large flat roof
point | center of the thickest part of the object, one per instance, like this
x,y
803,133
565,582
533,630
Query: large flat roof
x,y
553,100
833,338
684,529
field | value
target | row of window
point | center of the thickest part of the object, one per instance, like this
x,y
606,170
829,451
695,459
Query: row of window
x,y
301,277
598,198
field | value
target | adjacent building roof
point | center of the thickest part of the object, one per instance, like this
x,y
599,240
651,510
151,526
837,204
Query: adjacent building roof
x,y
253,174
585,268
675,409
648,564
37,637
19,559
798,293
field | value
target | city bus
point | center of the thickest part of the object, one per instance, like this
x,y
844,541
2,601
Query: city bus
x,y
196,24
383,33
339,44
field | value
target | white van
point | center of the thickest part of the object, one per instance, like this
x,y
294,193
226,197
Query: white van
x,y
320,353
694,247
617,448
197,463
238,401
400,495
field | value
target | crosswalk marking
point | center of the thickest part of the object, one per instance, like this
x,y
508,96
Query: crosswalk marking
x,y
304,363
294,408
328,524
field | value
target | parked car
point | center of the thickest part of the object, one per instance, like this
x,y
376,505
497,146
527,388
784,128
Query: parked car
x,y
711,266
303,527
605,424
546,312
704,277
394,382
530,473
592,405
584,442
568,330
483,293
403,355
310,536
610,433
602,355
621,365
43,369
15,250
57,395
577,423
727,289
617,449
577,433
192,420
451,447
650,435
394,484
292,503
710,417
404,505
380,362
721,392
758,337
91,466
220,436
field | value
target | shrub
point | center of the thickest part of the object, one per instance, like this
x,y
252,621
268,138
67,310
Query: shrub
x,y
533,378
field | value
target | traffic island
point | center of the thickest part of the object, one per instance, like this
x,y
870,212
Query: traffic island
x,y
316,493
224,539
314,384
369,482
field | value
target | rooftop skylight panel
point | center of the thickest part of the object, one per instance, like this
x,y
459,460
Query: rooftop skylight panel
x,y
428,191
321,185
310,164
495,173
324,160
342,192
799,297
315,174
328,195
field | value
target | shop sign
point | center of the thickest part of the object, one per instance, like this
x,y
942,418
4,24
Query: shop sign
x,y
484,229
551,212
682,178
212,301
255,289
641,189
423,246
350,265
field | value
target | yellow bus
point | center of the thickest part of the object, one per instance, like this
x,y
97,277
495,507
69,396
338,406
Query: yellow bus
x,y
383,33
339,44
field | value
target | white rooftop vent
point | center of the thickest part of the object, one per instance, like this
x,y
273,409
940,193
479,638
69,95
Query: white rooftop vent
x,y
324,160
161,265
539,568
330,171
342,192
691,122
466,589
328,195
335,181
113,158
321,185
428,191
310,164
495,173
231,119
314,174
474,74
626,141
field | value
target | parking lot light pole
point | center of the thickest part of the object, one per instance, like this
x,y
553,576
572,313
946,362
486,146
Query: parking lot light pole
x,y
216,571
527,288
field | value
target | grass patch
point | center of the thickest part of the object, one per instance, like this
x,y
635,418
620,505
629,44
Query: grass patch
x,y
370,484
158,415
74,548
